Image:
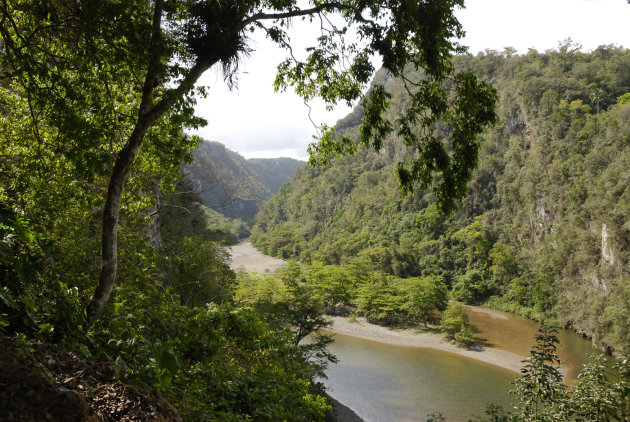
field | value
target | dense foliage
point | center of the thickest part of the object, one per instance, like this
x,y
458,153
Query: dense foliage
x,y
94,99
544,229
103,79
361,288
172,322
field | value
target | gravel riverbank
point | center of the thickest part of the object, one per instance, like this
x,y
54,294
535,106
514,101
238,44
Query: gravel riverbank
x,y
414,338
246,256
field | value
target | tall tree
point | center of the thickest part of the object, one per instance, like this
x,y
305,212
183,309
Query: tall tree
x,y
109,75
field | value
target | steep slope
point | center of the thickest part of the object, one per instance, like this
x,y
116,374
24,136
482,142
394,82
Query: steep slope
x,y
273,172
545,228
46,382
234,186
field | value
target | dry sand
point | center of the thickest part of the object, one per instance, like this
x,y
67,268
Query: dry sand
x,y
245,256
414,338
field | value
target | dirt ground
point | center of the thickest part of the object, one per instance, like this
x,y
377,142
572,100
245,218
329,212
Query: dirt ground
x,y
42,382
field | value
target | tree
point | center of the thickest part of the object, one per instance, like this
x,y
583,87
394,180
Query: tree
x,y
335,283
540,391
380,299
109,76
470,287
594,398
456,324
504,266
290,304
425,296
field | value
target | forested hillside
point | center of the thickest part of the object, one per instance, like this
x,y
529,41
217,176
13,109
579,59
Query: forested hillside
x,y
219,189
233,185
545,228
114,292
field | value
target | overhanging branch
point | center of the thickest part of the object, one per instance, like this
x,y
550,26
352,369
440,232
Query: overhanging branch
x,y
306,12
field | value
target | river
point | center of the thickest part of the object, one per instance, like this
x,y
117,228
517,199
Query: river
x,y
387,383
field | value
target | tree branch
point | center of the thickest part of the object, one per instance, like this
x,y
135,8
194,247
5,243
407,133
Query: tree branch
x,y
304,12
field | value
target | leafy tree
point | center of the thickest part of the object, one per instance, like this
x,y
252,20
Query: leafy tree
x,y
381,299
592,398
471,287
335,282
289,303
539,391
200,272
30,302
624,99
477,245
504,266
139,61
599,395
456,324
425,297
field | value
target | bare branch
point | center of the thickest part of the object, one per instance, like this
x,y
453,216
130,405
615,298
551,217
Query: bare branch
x,y
157,211
302,12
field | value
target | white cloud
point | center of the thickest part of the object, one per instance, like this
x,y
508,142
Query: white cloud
x,y
256,122
542,24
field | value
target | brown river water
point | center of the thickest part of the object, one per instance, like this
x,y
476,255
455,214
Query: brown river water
x,y
387,383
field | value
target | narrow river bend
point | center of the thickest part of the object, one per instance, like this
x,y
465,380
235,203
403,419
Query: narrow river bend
x,y
386,383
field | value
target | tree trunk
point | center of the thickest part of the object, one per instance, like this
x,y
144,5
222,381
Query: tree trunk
x,y
154,225
147,117
148,113
111,214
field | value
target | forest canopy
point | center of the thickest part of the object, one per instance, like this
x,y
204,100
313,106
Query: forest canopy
x,y
95,96
544,228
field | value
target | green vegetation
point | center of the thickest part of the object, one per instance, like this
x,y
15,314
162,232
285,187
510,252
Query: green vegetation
x,y
456,324
218,189
544,228
172,323
358,289
108,251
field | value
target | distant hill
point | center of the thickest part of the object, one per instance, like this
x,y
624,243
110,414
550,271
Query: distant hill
x,y
234,186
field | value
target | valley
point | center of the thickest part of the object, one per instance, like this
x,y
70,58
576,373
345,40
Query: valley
x,y
394,375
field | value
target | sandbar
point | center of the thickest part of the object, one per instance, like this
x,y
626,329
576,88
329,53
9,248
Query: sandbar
x,y
246,256
415,338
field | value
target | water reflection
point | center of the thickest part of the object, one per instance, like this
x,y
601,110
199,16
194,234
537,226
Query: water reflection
x,y
382,382
516,334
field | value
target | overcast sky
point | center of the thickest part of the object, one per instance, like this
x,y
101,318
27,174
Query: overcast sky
x,y
256,122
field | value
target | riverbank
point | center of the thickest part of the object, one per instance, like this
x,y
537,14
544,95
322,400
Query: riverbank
x,y
342,412
415,338
245,256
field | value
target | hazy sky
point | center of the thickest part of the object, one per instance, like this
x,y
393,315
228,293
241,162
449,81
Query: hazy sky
x,y
256,122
